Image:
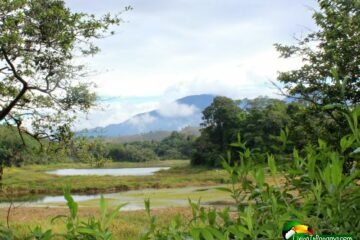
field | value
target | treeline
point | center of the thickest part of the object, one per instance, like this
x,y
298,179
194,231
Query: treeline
x,y
264,124
19,150
175,146
12,150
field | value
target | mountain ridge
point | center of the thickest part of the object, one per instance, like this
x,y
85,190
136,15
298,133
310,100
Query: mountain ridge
x,y
174,116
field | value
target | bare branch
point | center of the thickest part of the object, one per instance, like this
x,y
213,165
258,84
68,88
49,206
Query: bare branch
x,y
10,106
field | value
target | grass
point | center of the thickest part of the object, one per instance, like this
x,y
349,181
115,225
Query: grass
x,y
30,181
128,225
33,179
160,198
170,190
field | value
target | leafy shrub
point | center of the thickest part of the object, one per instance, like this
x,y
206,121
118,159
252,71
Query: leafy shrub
x,y
314,189
92,229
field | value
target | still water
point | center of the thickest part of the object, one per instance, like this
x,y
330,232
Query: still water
x,y
160,198
108,171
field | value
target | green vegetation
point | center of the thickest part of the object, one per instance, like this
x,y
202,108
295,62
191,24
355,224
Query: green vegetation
x,y
322,89
220,127
38,43
260,122
315,190
94,152
329,77
176,146
33,179
128,225
281,161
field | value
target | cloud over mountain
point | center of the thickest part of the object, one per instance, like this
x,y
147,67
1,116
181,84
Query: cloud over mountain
x,y
175,109
171,116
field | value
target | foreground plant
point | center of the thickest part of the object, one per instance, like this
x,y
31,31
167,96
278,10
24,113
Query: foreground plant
x,y
313,188
76,229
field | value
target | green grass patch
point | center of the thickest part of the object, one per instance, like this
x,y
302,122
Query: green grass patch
x,y
33,179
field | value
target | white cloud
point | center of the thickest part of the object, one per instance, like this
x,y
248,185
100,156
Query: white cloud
x,y
174,109
111,114
142,120
178,48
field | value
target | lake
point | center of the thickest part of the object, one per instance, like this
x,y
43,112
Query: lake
x,y
107,171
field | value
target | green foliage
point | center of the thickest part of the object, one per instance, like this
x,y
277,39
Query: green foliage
x,y
264,118
130,152
329,75
12,150
175,146
6,234
93,229
38,234
93,152
314,189
40,84
221,121
260,123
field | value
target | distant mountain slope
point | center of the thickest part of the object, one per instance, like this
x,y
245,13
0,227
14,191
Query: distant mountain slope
x,y
184,112
169,117
153,136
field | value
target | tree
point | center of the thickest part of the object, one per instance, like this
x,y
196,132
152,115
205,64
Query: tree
x,y
329,80
40,83
331,59
263,120
175,146
221,122
11,150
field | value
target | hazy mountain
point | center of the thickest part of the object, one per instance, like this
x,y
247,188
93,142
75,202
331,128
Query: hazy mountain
x,y
169,117
153,136
174,116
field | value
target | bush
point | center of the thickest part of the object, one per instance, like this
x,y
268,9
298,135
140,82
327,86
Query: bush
x,y
314,189
130,152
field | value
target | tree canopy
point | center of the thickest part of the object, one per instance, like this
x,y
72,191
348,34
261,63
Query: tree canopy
x,y
220,126
40,81
330,74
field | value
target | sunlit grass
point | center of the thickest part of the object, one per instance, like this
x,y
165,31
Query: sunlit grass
x,y
128,225
34,179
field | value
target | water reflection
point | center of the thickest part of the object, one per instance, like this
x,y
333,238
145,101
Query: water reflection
x,y
108,171
160,198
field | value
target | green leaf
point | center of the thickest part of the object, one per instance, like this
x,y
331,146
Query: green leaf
x,y
272,165
195,233
216,233
206,234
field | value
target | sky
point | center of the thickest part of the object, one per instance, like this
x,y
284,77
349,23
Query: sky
x,y
168,49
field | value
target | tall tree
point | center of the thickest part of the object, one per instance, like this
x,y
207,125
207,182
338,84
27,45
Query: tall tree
x,y
330,74
264,119
221,120
220,126
40,82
